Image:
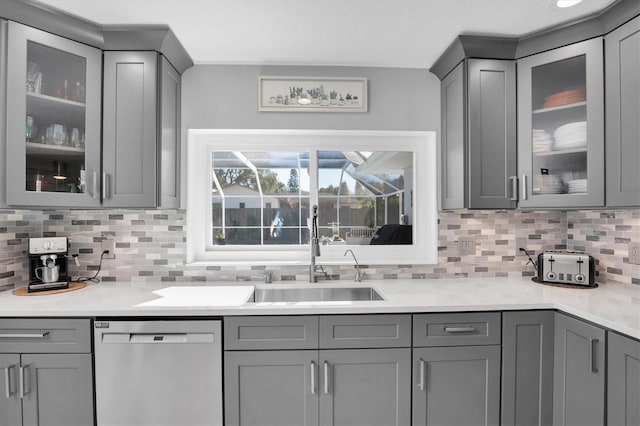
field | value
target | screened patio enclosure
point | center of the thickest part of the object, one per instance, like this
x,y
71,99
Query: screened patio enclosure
x,y
263,197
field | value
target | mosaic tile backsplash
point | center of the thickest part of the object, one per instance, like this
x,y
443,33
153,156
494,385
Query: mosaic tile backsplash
x,y
150,245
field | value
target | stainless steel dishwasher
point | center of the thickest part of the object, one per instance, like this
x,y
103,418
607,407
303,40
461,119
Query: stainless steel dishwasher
x,y
158,373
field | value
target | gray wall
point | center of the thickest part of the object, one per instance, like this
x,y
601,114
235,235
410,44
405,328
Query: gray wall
x,y
226,97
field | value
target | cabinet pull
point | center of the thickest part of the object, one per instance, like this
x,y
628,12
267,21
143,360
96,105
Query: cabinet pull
x,y
7,381
105,186
313,377
326,377
421,379
524,187
592,355
24,381
514,188
94,185
40,335
468,329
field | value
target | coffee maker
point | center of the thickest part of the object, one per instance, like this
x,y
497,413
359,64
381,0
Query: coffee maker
x,y
48,263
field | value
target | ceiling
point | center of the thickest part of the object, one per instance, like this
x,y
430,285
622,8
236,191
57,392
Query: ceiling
x,y
379,33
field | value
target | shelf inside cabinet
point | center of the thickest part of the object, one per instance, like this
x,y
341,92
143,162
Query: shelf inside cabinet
x,y
561,152
560,108
50,109
53,150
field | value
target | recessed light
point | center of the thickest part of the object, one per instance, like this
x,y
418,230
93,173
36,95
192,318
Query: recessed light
x,y
567,3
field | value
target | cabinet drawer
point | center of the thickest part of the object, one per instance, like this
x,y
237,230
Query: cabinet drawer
x,y
267,332
31,335
365,331
456,329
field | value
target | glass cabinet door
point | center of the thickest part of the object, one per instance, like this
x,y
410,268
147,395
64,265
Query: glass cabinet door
x,y
561,129
53,129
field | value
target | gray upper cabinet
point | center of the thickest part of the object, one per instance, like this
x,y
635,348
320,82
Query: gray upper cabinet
x,y
561,127
623,381
579,373
140,130
527,368
622,68
479,135
3,107
53,120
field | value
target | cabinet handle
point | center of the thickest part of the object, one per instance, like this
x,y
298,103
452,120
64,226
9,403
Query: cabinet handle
x,y
524,187
94,194
7,381
421,379
468,329
313,377
24,381
40,335
105,186
592,355
326,377
514,188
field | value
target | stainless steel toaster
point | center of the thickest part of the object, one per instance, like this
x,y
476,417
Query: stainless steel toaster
x,y
566,268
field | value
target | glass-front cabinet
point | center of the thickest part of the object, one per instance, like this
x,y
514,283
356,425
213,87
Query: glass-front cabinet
x,y
53,126
561,127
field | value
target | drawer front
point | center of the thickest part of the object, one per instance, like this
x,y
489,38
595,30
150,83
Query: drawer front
x,y
365,331
42,335
458,329
267,332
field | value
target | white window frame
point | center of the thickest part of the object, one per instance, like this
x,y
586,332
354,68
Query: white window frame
x,y
201,142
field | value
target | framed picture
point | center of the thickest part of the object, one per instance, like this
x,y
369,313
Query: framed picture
x,y
312,94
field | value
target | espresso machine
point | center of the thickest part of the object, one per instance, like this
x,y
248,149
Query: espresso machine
x,y
48,263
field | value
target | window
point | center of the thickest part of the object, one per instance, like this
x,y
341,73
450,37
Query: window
x,y
250,194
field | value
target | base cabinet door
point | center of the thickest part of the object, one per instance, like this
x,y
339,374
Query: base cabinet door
x,y
623,381
367,387
271,388
10,403
456,386
527,368
579,373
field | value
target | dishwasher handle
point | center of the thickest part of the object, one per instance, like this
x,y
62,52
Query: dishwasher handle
x,y
157,338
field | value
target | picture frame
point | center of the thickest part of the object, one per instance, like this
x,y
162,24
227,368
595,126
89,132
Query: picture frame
x,y
312,94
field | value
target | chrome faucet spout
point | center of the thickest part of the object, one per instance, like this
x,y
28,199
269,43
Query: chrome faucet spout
x,y
358,277
315,247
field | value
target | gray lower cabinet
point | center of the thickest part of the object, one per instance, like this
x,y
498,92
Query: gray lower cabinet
x,y
40,386
367,382
277,388
622,107
623,381
458,385
579,373
141,121
478,104
527,368
366,387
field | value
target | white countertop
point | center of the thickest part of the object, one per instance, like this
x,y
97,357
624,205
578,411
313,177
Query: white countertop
x,y
614,306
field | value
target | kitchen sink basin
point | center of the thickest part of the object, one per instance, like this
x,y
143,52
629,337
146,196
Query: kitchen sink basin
x,y
335,294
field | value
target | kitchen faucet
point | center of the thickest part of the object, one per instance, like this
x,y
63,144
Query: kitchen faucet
x,y
315,248
358,276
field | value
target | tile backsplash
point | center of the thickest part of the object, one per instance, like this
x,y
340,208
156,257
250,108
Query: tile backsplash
x,y
150,245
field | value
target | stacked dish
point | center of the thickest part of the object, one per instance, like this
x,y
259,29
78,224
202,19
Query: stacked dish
x,y
577,186
567,97
541,141
571,136
547,184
